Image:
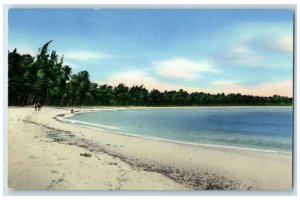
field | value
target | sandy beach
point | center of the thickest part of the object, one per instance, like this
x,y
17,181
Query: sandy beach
x,y
45,153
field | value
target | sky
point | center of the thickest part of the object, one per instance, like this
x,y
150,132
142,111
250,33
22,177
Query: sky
x,y
247,51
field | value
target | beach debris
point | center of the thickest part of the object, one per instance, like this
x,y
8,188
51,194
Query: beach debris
x,y
112,163
83,146
54,183
86,154
194,179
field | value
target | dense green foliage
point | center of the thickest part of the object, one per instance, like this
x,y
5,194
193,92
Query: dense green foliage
x,y
47,80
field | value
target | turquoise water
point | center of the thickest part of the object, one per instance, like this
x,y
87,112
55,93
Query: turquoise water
x,y
263,128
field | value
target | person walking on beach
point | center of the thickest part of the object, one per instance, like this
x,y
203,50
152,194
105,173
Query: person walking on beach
x,y
35,106
39,106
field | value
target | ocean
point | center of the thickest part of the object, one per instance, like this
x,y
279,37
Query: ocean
x,y
260,128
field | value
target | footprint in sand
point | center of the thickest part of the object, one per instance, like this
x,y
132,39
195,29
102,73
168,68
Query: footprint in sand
x,y
33,157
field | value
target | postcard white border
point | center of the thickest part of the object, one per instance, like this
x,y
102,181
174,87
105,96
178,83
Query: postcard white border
x,y
289,4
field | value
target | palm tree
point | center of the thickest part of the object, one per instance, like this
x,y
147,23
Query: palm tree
x,y
19,78
105,95
65,78
44,81
121,94
155,98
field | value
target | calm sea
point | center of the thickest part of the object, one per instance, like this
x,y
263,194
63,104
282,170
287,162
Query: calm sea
x,y
263,128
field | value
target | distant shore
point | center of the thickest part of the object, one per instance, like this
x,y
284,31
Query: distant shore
x,y
68,156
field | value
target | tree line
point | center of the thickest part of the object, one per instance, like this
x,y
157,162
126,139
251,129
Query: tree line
x,y
46,79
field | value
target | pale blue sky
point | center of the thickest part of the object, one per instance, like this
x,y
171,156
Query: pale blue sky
x,y
210,50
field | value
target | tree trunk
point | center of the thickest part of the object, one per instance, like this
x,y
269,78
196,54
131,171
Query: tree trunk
x,y
46,100
28,100
62,100
49,99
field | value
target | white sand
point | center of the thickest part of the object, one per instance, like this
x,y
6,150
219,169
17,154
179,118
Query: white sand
x,y
38,159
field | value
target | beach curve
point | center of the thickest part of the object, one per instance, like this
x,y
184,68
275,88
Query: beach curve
x,y
186,167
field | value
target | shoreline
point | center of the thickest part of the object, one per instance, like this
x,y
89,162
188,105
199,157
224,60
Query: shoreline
x,y
145,107
178,166
88,125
